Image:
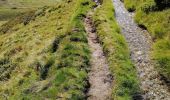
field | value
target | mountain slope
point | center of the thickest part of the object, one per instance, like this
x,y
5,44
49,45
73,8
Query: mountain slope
x,y
46,55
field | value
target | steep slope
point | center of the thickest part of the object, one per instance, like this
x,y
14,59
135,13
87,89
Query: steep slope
x,y
74,50
11,8
45,55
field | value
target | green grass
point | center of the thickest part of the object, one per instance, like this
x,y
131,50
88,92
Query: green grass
x,y
131,4
29,3
45,58
126,83
162,55
12,8
155,17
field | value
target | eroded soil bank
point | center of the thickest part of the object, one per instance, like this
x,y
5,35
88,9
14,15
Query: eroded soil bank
x,y
140,43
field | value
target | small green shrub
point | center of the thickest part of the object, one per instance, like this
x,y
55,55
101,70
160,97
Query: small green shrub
x,y
131,4
148,6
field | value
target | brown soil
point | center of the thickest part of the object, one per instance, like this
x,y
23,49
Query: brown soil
x,y
99,77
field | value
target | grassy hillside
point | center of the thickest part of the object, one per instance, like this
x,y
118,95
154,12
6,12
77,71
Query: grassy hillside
x,y
45,55
154,15
27,3
44,52
11,8
126,85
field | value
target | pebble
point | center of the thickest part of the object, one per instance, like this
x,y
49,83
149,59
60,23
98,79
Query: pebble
x,y
140,43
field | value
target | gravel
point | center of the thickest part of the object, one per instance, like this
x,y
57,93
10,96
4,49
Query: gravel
x,y
140,43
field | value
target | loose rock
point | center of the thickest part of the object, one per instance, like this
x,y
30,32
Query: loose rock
x,y
140,43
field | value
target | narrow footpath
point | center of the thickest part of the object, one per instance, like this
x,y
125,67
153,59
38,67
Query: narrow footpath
x,y
99,77
140,43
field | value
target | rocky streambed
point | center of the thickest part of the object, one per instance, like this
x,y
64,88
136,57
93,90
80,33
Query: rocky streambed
x,y
140,43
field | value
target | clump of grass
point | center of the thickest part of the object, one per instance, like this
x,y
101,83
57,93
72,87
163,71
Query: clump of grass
x,y
126,83
159,32
131,4
44,70
6,67
79,37
162,56
148,6
75,53
68,84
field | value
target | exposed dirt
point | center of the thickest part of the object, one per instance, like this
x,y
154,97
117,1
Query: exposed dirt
x,y
99,77
140,46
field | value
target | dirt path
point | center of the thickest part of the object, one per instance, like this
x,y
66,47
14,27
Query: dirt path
x,y
99,77
140,46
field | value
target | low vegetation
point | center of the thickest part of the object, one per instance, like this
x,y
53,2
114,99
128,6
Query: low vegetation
x,y
12,8
126,85
46,56
154,15
44,51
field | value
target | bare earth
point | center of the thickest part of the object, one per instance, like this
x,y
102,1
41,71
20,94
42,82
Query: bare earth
x,y
99,77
